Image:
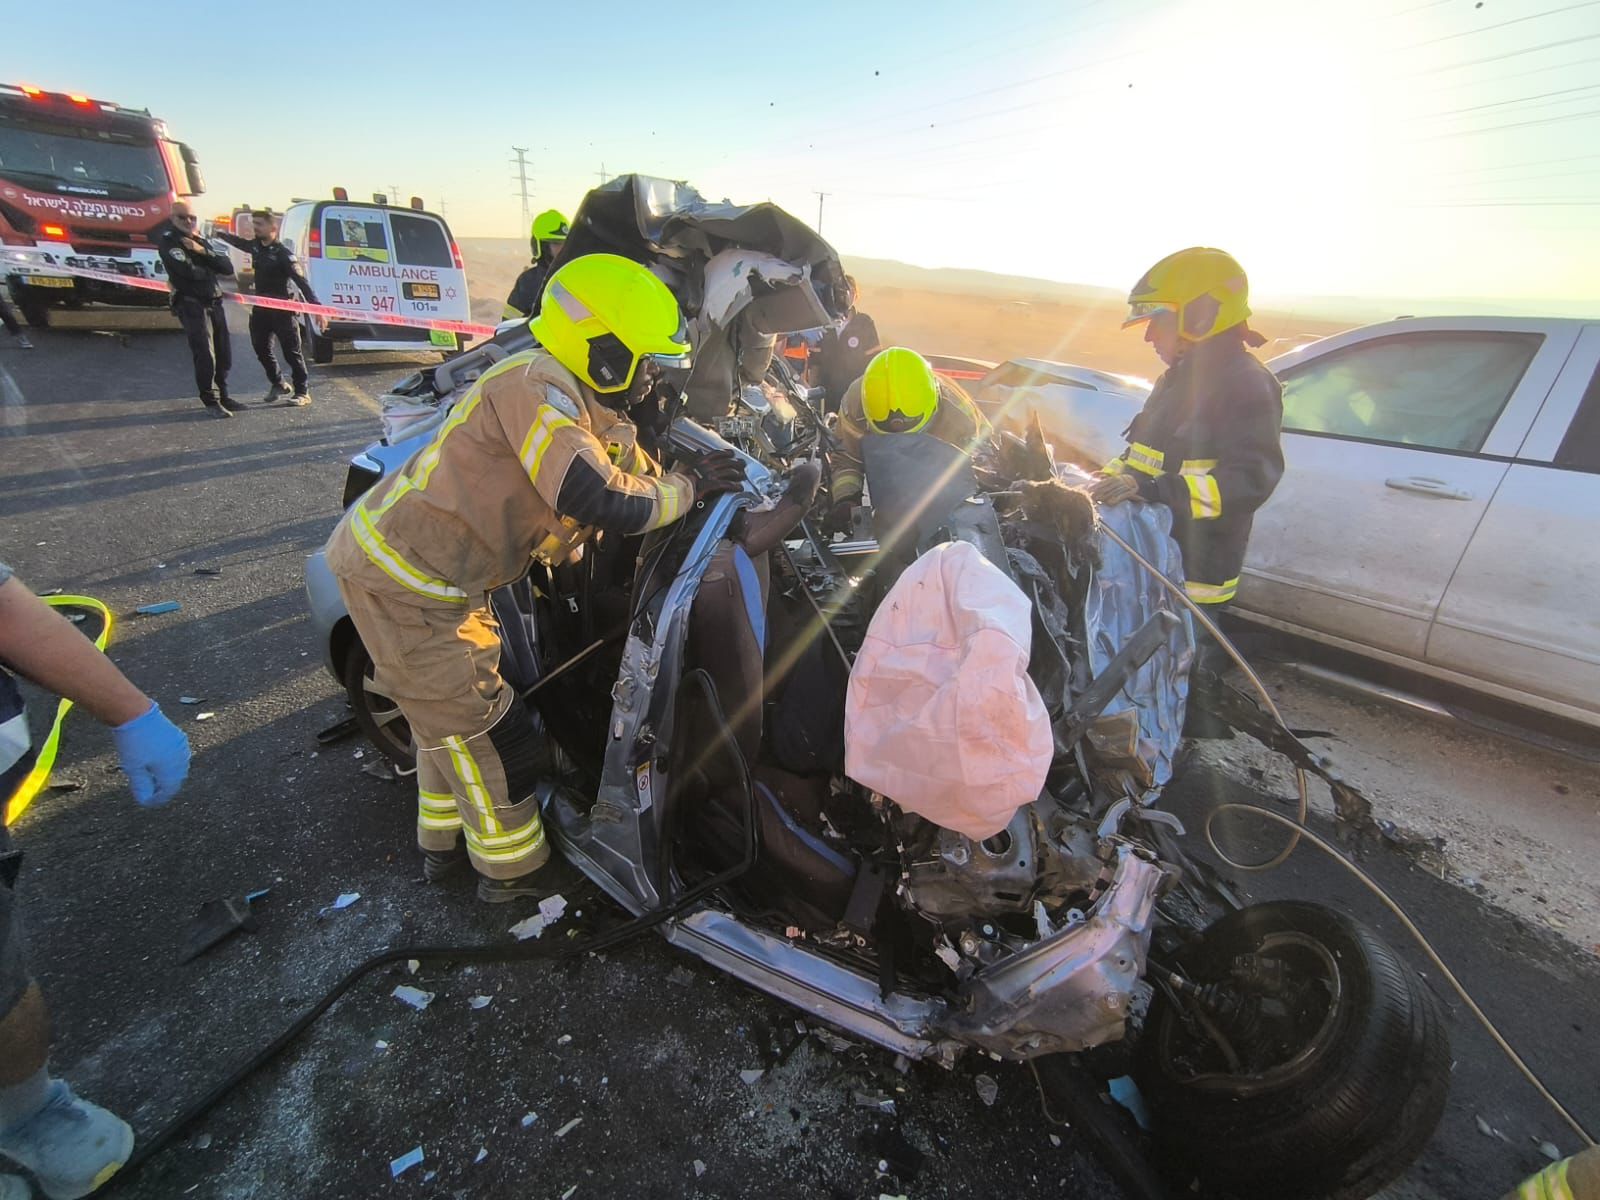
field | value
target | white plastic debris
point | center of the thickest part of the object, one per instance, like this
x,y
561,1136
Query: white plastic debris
x,y
681,976
875,1100
839,1045
345,900
531,927
699,1168
563,1039
948,956
569,1127
1549,1150
480,1001
482,1154
405,1162
188,699
567,1195
528,1119
988,1089
1055,1140
204,716
412,965
380,1045
751,1076
1489,1130
415,997
203,1142
552,908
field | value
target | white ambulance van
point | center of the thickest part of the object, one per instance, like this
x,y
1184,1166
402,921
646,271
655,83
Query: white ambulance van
x,y
377,259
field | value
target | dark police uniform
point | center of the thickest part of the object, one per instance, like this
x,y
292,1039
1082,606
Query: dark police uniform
x,y
529,288
843,355
197,303
274,267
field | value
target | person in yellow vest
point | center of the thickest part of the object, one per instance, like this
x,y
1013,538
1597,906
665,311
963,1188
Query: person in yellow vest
x,y
535,457
898,393
1575,1178
1206,443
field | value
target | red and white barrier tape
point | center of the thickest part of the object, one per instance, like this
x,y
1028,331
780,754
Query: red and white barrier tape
x,y
333,312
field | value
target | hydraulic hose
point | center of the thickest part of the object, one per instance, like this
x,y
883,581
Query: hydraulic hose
x,y
1298,829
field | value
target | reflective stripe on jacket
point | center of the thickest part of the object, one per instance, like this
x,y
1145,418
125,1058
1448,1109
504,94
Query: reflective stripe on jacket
x,y
1208,441
528,462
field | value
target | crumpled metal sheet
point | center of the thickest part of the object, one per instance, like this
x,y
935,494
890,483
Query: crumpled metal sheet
x,y
1122,596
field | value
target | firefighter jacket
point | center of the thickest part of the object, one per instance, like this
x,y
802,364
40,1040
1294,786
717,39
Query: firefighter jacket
x,y
956,422
192,274
1206,446
528,464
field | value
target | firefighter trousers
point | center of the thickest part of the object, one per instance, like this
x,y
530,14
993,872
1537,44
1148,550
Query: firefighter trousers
x,y
479,757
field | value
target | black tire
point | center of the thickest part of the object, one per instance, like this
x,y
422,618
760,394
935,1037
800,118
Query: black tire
x,y
1333,1118
321,347
378,716
31,305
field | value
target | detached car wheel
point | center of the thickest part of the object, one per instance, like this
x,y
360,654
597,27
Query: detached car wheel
x,y
378,716
1315,1066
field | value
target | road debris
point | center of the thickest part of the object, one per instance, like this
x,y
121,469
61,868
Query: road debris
x,y
551,909
563,1039
1489,1130
344,900
155,610
208,571
567,1195
680,975
830,1039
379,769
405,1162
528,1119
481,1155
188,699
203,1142
751,1076
380,1044
1550,1151
205,716
988,1089
415,997
480,1001
216,920
569,1127
699,1168
66,783
876,1100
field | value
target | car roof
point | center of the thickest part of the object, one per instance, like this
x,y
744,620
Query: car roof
x,y
1079,376
319,205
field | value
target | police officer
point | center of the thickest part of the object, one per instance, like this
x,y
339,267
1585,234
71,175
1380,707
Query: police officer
x,y
844,351
547,238
274,267
193,268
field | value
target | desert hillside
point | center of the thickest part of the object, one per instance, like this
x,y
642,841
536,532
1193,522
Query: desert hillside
x,y
971,313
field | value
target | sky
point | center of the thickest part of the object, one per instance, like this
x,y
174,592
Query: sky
x,y
1363,148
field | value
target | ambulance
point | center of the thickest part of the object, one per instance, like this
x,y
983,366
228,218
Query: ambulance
x,y
372,260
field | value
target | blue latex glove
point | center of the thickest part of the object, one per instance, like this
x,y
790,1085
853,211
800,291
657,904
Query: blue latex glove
x,y
155,754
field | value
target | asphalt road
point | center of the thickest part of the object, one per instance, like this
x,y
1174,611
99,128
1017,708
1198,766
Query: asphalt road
x,y
115,483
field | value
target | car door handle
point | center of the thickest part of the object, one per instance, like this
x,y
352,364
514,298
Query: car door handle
x,y
1426,485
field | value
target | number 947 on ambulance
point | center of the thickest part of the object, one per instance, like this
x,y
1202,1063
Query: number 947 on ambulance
x,y
376,260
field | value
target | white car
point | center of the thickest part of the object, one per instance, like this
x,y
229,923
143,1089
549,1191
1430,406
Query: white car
x,y
1441,503
1082,412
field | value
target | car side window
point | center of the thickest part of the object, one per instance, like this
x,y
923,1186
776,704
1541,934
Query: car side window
x,y
1580,449
1440,390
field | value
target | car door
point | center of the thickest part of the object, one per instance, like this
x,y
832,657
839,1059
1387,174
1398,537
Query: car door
x,y
1395,439
1521,611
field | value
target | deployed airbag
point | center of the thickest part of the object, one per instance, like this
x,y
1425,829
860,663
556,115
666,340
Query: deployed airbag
x,y
940,715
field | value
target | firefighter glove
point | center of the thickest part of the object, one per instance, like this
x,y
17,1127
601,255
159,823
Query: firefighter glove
x,y
715,473
1114,489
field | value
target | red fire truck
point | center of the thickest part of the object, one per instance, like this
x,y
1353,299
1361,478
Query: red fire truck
x,y
84,183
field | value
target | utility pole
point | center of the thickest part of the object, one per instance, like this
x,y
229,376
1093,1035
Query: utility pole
x,y
394,193
821,196
521,163
602,176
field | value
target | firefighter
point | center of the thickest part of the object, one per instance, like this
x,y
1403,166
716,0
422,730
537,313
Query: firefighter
x,y
547,238
535,456
193,268
274,267
1206,442
898,393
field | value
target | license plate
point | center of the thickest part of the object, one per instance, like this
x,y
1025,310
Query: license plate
x,y
420,291
56,281
442,337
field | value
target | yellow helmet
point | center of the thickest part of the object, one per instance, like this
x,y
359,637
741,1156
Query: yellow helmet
x,y
602,314
1206,288
548,226
899,392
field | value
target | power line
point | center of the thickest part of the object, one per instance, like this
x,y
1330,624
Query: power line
x,y
1449,37
1585,37
1593,112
